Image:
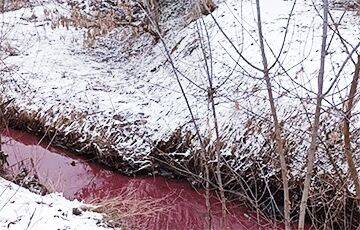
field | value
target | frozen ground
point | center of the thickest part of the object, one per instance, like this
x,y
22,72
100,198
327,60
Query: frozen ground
x,y
20,209
124,100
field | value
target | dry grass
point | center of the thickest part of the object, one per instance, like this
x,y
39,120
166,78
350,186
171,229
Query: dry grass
x,y
127,211
11,5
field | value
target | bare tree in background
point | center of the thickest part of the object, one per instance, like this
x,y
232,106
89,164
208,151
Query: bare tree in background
x,y
205,46
346,129
278,130
203,151
316,122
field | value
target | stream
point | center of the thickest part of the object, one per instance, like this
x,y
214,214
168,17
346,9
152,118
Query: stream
x,y
77,178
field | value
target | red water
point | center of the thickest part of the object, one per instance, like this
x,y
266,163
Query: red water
x,y
78,178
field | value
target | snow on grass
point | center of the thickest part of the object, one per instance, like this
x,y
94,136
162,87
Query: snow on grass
x,y
129,99
20,209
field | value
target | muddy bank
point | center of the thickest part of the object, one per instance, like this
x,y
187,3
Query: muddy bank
x,y
78,178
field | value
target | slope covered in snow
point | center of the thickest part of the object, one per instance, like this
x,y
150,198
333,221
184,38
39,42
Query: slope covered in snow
x,y
119,102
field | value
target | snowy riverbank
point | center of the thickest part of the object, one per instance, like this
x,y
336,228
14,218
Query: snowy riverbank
x,y
120,102
20,209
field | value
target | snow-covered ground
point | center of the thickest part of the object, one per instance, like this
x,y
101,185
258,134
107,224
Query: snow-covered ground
x,y
122,100
20,209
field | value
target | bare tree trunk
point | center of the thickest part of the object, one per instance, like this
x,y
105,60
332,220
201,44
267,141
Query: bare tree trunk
x,y
316,124
218,165
346,130
279,141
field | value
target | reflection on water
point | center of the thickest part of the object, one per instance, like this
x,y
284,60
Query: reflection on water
x,y
77,178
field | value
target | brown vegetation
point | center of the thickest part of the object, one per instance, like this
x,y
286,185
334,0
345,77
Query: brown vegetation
x,y
129,212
